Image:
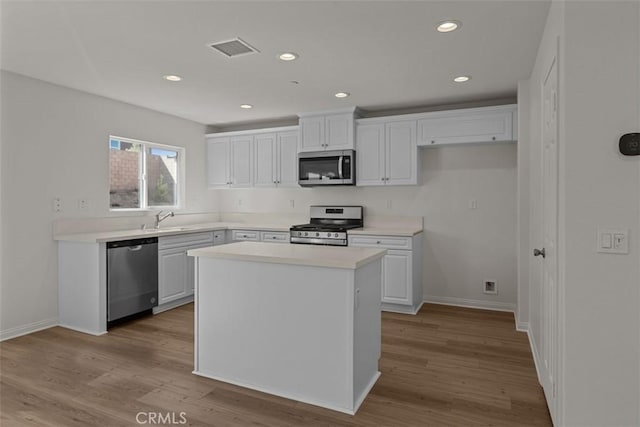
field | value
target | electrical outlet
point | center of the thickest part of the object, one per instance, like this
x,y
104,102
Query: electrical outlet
x,y
239,202
490,287
83,203
389,204
473,204
292,203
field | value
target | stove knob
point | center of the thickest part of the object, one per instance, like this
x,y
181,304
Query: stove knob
x,y
328,234
336,234
306,234
317,234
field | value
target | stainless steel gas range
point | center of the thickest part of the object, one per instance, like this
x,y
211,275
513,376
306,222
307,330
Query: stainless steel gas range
x,y
328,225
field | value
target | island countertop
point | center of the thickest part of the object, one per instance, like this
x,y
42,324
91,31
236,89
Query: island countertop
x,y
311,255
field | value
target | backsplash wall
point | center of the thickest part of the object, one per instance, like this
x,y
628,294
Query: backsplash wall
x,y
463,246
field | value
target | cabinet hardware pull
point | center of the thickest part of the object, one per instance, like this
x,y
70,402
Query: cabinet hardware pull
x,y
378,242
433,142
493,138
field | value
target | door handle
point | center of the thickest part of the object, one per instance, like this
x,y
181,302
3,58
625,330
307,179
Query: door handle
x,y
134,248
538,252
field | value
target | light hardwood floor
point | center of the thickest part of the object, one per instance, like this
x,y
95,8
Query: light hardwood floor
x,y
446,366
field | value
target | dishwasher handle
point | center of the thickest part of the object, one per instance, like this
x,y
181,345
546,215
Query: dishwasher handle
x,y
132,244
134,248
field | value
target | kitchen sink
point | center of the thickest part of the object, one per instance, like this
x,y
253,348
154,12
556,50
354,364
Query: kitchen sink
x,y
166,230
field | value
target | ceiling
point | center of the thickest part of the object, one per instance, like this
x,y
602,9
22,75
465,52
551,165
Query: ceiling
x,y
387,54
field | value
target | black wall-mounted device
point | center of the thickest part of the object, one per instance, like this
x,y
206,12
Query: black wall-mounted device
x,y
630,144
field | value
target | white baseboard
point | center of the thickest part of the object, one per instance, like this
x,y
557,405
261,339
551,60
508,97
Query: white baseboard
x,y
470,303
18,331
396,308
536,356
84,331
520,326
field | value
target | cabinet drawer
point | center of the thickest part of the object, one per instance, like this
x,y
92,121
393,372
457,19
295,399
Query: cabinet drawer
x,y
389,242
245,235
180,240
219,237
274,236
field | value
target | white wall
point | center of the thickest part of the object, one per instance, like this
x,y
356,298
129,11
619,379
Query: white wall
x,y
599,382
524,245
463,247
55,144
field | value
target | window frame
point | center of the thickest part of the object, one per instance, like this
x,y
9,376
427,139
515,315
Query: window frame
x,y
142,176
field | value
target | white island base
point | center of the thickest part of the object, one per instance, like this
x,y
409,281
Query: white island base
x,y
268,321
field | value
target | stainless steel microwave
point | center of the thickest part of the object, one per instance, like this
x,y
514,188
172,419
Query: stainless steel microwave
x,y
327,168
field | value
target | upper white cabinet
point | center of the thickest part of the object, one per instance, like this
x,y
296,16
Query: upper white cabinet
x,y
327,131
241,161
262,158
386,153
473,125
218,162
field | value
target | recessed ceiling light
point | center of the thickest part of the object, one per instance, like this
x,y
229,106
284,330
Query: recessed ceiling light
x,y
246,106
448,26
172,78
342,94
462,79
288,56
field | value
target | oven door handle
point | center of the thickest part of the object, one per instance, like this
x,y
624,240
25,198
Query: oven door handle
x,y
340,159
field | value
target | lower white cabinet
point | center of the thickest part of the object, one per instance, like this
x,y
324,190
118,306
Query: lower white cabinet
x,y
259,236
175,268
401,270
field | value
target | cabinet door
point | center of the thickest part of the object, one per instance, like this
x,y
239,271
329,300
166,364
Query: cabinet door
x,y
397,277
370,155
265,160
401,153
339,132
467,127
241,161
287,159
312,133
172,274
218,162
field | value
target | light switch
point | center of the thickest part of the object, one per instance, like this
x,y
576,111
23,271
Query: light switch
x,y
613,241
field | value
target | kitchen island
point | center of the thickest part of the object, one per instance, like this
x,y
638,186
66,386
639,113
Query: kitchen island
x,y
297,321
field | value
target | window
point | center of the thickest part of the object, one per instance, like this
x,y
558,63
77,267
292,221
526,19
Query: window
x,y
144,175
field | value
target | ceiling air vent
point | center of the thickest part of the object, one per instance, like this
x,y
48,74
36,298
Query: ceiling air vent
x,y
233,48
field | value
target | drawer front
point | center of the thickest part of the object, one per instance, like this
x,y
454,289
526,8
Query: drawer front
x,y
237,235
274,236
187,240
388,242
219,237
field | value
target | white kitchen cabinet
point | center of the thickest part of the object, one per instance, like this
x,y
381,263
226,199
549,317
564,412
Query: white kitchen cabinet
x,y
218,162
472,125
401,270
260,158
245,235
332,131
175,268
387,153
241,161
274,236
276,161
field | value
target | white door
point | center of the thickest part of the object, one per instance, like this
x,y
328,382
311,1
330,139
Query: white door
x,y
339,132
396,277
241,161
218,162
265,160
172,274
549,257
370,155
312,133
402,152
287,159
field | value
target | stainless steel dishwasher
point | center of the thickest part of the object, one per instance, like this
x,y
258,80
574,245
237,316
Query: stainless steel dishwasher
x,y
132,277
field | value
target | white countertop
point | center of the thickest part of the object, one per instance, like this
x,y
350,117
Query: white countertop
x,y
112,236
310,255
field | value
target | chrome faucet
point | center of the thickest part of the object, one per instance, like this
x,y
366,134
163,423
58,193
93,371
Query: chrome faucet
x,y
160,218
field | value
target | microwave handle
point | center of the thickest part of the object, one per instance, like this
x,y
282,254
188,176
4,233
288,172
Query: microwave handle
x,y
340,167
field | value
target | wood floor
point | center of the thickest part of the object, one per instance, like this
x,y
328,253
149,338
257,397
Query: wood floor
x,y
446,366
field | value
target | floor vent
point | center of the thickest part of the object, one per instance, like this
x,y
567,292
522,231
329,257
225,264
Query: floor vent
x,y
233,48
